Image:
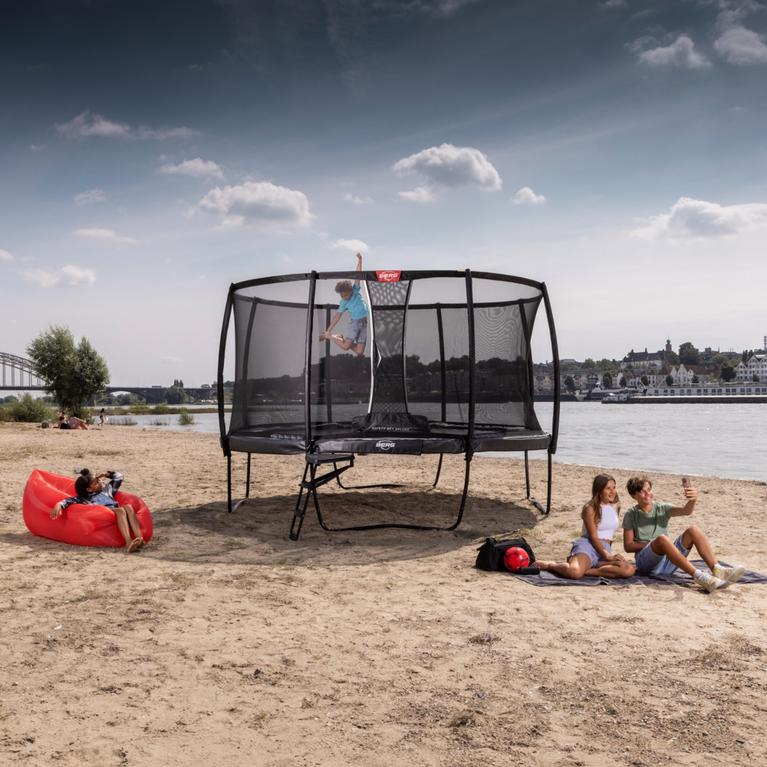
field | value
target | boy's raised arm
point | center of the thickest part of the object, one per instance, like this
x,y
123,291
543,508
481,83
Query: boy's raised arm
x,y
359,267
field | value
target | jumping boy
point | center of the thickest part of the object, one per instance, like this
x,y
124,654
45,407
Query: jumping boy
x,y
645,533
351,301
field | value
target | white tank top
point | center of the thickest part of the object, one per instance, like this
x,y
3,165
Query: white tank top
x,y
608,524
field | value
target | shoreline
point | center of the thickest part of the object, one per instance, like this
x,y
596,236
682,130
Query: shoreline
x,y
222,638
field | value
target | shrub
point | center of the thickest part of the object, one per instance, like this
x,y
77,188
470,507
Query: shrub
x,y
161,410
121,420
29,410
185,418
5,414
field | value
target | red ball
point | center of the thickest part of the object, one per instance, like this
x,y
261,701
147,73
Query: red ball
x,y
515,557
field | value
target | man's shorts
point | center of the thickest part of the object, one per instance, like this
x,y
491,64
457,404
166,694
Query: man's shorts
x,y
650,563
358,331
583,546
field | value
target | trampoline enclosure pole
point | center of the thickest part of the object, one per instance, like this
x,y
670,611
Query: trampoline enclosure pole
x,y
308,362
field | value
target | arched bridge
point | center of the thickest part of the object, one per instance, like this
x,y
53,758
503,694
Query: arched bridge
x,y
18,374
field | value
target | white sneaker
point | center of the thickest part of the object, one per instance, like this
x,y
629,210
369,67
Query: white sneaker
x,y
729,574
708,582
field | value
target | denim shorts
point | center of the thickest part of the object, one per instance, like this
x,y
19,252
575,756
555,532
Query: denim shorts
x,y
650,563
358,331
583,545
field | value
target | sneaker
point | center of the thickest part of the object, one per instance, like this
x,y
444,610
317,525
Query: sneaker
x,y
707,581
729,574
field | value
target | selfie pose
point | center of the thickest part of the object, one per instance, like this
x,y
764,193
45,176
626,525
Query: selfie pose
x,y
645,534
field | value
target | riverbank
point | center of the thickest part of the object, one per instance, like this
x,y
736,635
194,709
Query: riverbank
x,y
225,643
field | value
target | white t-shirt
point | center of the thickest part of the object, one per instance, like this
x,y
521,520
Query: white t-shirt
x,y
608,524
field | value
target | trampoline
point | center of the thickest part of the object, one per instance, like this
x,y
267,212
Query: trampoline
x,y
446,368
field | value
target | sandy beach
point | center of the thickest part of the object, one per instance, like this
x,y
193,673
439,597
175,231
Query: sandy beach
x,y
224,643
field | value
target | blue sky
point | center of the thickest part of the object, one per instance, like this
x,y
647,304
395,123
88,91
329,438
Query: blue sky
x,y
152,153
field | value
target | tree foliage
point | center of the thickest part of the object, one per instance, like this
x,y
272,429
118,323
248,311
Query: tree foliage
x,y
74,373
689,354
727,374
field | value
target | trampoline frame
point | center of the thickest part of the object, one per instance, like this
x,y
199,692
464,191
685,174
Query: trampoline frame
x,y
342,461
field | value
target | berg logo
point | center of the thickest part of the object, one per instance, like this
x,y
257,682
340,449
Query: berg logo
x,y
383,444
388,275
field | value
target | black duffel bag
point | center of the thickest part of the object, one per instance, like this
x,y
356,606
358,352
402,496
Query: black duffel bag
x,y
490,553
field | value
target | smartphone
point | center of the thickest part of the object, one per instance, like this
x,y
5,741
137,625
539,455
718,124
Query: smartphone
x,y
686,482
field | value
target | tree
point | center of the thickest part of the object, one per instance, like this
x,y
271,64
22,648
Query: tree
x,y
727,374
645,381
695,379
622,382
688,354
607,381
73,374
669,381
569,384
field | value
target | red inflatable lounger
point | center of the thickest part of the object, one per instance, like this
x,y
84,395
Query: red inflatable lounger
x,y
80,524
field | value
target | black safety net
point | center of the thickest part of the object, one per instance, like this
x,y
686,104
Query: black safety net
x,y
437,348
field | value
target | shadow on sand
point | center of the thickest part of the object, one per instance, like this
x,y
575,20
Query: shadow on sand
x,y
257,533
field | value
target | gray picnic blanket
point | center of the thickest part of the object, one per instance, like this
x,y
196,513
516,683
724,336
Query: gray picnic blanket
x,y
679,578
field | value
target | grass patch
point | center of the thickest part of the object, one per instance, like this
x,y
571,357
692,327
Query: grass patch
x,y
185,418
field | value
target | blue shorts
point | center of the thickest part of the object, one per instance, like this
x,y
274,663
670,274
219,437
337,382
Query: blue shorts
x,y
358,331
650,563
583,545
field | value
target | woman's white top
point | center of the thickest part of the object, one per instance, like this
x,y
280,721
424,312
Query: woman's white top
x,y
608,524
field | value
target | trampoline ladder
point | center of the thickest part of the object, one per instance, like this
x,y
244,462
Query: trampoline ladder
x,y
308,489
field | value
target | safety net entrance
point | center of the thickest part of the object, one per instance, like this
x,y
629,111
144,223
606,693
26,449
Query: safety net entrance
x,y
434,362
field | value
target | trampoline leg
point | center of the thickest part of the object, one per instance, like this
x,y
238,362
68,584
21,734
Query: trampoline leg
x,y
247,479
527,477
548,488
465,493
537,504
229,482
439,469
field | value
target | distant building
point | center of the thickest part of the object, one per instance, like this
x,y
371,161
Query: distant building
x,y
643,360
756,365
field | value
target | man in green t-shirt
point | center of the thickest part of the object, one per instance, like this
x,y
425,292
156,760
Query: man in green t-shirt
x,y
645,533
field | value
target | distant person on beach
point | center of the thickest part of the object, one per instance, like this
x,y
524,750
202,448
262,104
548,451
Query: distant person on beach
x,y
645,534
352,302
100,490
69,422
592,554
103,417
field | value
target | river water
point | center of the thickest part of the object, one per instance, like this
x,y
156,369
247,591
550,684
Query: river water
x,y
715,439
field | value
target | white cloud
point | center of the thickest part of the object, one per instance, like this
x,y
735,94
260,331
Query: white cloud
x,y
419,194
37,147
5,255
103,234
76,275
89,124
41,277
196,167
353,246
258,202
357,200
681,53
450,166
614,4
697,218
90,196
67,275
741,46
526,196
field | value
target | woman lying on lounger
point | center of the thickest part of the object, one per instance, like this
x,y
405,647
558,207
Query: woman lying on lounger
x,y
591,554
